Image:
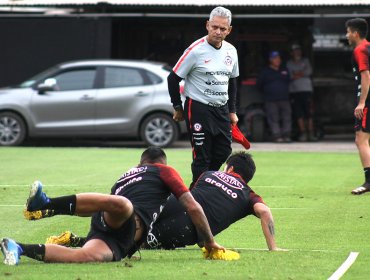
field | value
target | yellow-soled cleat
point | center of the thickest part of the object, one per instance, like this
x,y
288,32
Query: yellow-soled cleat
x,y
37,215
64,239
216,254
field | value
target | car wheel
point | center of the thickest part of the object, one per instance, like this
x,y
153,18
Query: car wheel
x,y
12,129
159,130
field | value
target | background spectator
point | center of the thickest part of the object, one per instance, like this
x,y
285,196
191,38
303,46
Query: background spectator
x,y
273,82
301,91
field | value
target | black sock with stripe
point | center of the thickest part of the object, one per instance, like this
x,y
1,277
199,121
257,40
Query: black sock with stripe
x,y
33,251
367,174
63,205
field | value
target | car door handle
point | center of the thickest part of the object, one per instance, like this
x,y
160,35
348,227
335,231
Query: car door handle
x,y
142,93
86,97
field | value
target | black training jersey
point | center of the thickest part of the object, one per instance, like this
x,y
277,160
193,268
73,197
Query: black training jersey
x,y
148,187
360,62
225,199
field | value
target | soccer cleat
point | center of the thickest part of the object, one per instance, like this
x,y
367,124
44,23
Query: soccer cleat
x,y
365,187
37,215
217,254
67,239
37,198
11,251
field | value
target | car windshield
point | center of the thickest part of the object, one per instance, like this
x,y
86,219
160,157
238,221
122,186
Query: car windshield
x,y
30,82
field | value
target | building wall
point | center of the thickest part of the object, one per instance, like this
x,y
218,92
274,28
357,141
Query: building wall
x,y
30,45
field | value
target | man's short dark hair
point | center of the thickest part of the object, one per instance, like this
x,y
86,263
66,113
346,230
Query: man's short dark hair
x,y
153,155
243,165
359,25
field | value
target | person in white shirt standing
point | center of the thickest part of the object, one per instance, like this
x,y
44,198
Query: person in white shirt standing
x,y
209,67
301,91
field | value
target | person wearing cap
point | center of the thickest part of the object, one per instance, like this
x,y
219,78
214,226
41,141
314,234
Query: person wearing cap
x,y
273,82
301,91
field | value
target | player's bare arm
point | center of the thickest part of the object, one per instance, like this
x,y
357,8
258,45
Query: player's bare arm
x,y
365,83
267,222
200,221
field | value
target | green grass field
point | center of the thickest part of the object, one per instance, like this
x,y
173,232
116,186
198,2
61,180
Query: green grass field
x,y
316,217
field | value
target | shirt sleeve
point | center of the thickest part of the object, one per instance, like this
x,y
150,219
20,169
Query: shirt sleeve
x,y
235,72
186,63
174,89
308,69
253,199
361,55
172,180
232,91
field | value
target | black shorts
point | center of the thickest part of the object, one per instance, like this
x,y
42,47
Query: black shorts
x,y
173,232
301,104
120,240
364,123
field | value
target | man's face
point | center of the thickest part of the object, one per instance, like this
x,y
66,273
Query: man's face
x,y
275,61
352,36
297,53
218,28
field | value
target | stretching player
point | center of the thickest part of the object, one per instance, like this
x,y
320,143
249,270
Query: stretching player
x,y
356,35
138,195
225,198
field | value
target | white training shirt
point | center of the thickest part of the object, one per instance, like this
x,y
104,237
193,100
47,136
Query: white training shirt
x,y
207,70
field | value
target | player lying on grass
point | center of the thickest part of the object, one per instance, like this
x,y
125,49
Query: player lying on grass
x,y
138,195
225,198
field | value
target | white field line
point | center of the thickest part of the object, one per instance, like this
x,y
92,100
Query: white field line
x,y
265,249
289,250
18,205
25,185
270,186
288,208
345,266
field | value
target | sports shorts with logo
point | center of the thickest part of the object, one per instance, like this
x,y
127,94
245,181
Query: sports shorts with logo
x,y
118,240
364,123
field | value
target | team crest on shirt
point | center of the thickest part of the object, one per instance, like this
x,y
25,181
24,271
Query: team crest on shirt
x,y
228,60
197,127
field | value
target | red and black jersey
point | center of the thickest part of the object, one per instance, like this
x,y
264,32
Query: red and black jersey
x,y
360,62
148,187
225,199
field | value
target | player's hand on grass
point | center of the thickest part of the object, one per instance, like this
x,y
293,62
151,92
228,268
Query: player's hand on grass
x,y
213,245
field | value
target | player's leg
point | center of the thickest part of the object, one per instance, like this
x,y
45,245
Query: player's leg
x,y
286,119
307,114
273,120
93,251
196,117
117,209
222,141
362,143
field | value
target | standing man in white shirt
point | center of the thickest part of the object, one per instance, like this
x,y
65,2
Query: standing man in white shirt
x,y
209,67
301,93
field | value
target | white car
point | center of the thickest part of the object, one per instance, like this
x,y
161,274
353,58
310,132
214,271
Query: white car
x,y
94,98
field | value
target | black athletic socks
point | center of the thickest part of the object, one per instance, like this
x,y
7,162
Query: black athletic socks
x,y
64,205
33,251
367,174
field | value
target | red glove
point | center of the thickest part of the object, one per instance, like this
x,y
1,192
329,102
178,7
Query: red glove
x,y
239,137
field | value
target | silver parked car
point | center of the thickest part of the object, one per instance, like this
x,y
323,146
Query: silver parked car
x,y
95,98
